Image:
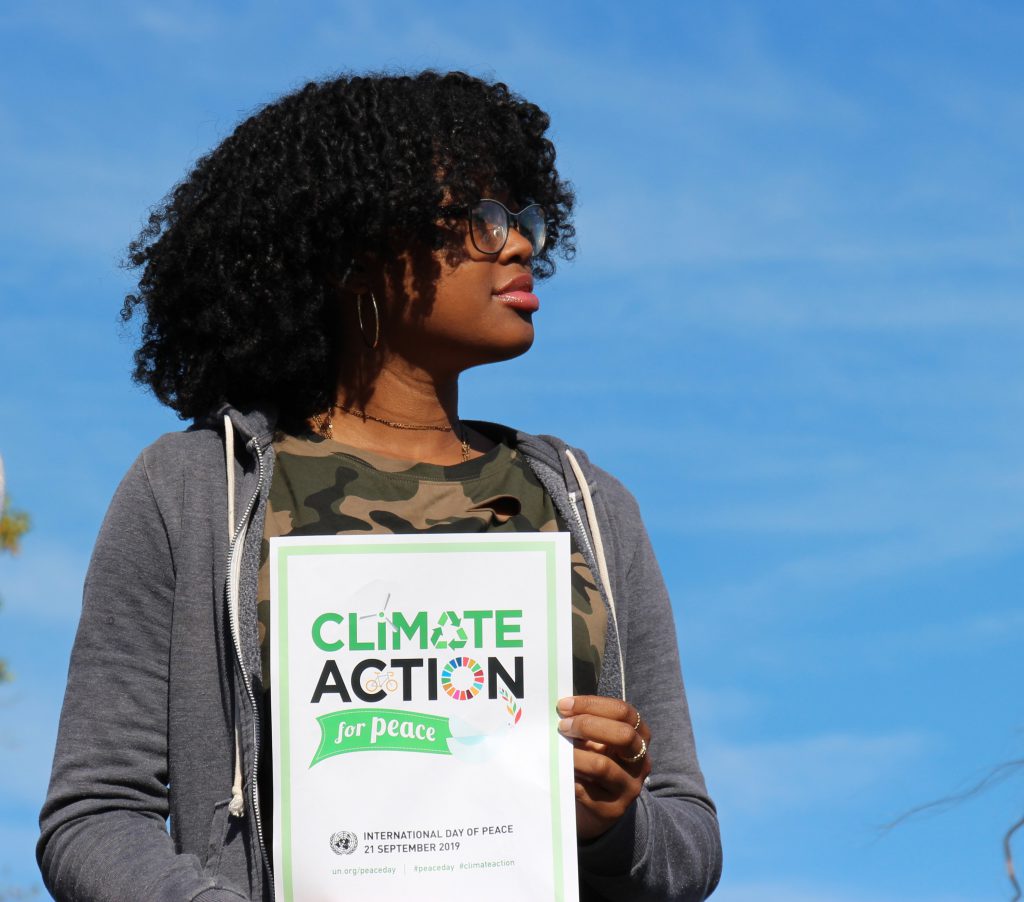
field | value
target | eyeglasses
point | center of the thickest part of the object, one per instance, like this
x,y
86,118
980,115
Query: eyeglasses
x,y
489,222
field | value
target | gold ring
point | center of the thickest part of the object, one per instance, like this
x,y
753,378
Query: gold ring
x,y
636,726
639,755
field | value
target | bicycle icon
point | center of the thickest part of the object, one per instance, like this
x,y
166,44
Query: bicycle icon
x,y
384,681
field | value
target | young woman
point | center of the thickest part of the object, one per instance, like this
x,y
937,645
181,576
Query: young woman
x,y
310,294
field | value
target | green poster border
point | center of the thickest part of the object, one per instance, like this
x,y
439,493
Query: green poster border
x,y
287,551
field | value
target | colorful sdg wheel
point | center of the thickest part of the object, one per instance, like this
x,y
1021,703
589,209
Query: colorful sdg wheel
x,y
462,678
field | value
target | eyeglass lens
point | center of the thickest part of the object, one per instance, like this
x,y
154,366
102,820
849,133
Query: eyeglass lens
x,y
489,223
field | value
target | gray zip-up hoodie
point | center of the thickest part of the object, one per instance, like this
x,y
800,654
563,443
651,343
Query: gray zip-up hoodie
x,y
160,701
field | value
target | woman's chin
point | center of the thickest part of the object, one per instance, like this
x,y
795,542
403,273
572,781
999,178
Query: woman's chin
x,y
522,343
507,349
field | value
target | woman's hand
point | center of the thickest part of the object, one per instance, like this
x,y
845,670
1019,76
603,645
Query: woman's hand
x,y
610,758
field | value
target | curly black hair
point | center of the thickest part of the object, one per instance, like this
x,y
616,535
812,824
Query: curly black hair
x,y
240,262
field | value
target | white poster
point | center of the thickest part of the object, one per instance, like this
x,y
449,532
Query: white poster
x,y
413,690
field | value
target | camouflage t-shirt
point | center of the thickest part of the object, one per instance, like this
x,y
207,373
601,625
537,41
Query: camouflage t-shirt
x,y
322,487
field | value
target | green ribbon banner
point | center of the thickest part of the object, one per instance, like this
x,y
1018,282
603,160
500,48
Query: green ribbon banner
x,y
381,730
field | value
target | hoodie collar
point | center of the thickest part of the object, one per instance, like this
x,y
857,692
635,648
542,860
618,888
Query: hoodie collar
x,y
548,450
257,422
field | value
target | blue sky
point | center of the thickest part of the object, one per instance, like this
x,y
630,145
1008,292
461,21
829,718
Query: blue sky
x,y
794,328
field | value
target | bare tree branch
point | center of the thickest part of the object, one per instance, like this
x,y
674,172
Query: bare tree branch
x,y
996,775
1008,853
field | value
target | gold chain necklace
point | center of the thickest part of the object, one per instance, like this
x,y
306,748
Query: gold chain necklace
x,y
325,426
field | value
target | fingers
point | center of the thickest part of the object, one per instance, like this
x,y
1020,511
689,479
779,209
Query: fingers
x,y
609,708
614,735
610,758
605,725
609,775
603,785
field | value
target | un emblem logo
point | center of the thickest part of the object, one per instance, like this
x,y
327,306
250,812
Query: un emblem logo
x,y
344,842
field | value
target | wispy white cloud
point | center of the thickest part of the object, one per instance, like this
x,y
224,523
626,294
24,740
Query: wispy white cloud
x,y
101,203
720,707
879,494
87,26
44,584
759,778
185,22
775,216
942,636
854,311
418,37
731,76
28,717
826,578
734,186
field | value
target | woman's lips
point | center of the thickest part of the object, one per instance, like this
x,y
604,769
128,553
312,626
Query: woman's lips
x,y
521,300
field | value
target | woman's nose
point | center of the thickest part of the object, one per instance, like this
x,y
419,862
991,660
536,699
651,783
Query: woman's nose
x,y
517,247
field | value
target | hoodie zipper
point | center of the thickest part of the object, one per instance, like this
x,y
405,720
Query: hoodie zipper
x,y
573,499
237,544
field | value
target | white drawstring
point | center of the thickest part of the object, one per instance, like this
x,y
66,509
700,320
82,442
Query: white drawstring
x,y
236,806
602,564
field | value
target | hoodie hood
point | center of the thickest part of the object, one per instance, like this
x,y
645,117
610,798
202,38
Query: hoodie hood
x,y
256,423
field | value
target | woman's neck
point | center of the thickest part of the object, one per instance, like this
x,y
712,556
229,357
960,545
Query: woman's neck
x,y
404,414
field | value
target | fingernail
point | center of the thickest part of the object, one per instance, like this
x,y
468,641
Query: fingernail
x,y
564,705
564,726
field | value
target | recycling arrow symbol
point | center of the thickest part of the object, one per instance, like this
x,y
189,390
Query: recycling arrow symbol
x,y
451,620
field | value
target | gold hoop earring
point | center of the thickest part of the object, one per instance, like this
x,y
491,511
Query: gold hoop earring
x,y
372,345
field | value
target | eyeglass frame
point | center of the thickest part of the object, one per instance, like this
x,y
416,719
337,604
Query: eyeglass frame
x,y
512,221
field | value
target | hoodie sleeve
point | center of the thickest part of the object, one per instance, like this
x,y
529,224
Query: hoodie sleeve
x,y
667,846
103,834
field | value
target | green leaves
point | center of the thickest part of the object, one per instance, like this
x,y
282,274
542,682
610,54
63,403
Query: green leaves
x,y
13,525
